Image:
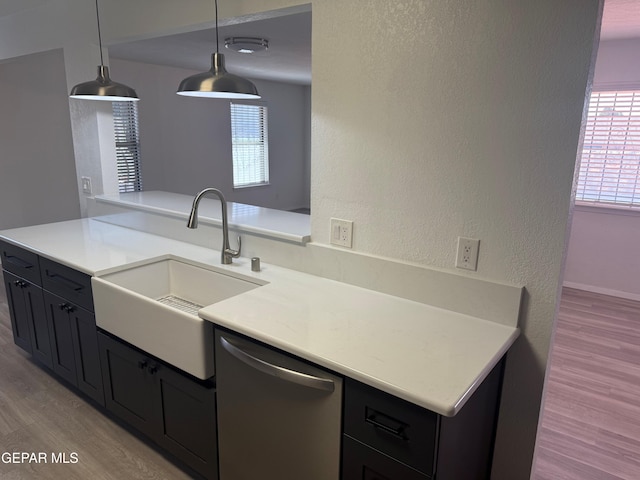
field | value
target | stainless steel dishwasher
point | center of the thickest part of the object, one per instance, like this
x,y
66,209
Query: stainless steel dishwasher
x,y
279,418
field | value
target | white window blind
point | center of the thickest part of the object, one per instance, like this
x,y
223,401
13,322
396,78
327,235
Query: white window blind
x,y
610,165
250,145
125,125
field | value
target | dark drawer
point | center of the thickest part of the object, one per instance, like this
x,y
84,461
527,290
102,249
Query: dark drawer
x,y
66,282
393,426
360,462
20,262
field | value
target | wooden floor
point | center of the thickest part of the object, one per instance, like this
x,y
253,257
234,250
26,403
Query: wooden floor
x,y
40,414
591,422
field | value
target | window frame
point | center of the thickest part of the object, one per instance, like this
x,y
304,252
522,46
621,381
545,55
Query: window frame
x,y
126,136
598,204
259,142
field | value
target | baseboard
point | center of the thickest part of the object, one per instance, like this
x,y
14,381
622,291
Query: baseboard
x,y
603,291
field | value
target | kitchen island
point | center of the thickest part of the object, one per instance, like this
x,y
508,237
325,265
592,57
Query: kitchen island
x,y
427,356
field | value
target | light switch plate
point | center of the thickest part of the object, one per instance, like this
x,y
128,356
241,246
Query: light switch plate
x,y
86,185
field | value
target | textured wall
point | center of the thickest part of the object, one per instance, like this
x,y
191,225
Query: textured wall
x,y
37,169
457,118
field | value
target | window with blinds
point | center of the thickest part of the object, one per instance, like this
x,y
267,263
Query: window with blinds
x,y
125,126
250,145
610,165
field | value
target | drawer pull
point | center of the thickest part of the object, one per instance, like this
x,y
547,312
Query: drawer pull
x,y
70,284
385,423
17,261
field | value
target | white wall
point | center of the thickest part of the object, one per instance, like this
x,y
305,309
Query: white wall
x,y
600,257
440,119
37,167
186,142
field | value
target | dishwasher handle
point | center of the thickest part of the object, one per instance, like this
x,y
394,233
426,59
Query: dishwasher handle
x,y
286,374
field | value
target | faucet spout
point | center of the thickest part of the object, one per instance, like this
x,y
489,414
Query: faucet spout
x,y
227,254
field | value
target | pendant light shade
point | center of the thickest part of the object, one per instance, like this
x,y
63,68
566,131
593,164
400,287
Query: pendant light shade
x,y
217,82
103,88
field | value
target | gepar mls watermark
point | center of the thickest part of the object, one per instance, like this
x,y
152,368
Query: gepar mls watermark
x,y
39,457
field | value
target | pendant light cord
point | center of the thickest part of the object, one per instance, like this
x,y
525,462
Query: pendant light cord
x,y
217,36
99,34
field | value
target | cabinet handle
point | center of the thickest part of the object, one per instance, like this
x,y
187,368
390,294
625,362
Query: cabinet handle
x,y
386,423
142,364
284,373
70,284
153,369
62,306
18,261
70,308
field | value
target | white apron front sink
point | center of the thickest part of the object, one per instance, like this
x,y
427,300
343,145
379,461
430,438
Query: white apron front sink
x,y
155,307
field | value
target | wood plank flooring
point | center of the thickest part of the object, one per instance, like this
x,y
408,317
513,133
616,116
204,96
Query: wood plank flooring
x,y
40,414
590,428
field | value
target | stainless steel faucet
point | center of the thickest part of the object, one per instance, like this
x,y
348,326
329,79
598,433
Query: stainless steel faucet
x,y
227,255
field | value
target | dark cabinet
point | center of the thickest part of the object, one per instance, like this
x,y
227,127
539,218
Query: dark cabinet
x,y
28,319
21,270
173,409
51,309
74,345
387,438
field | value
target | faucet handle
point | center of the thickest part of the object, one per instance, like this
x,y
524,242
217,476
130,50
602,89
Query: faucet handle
x,y
235,253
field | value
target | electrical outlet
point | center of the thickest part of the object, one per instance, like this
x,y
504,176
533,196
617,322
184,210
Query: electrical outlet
x,y
467,257
341,232
86,185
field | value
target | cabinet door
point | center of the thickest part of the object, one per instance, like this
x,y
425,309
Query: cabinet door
x,y
40,341
361,462
28,318
18,312
87,356
129,385
60,328
189,421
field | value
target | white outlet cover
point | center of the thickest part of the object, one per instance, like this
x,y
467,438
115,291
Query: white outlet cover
x,y
467,254
341,232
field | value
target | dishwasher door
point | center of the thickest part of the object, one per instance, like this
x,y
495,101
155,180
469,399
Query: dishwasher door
x,y
279,418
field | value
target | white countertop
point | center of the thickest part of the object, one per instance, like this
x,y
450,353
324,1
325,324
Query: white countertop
x,y
278,224
429,356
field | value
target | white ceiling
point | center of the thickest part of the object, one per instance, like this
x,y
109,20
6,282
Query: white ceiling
x,y
289,56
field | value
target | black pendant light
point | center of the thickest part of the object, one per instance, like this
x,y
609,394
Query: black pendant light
x,y
217,82
103,88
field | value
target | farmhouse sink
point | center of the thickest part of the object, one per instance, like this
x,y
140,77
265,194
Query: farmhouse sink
x,y
155,307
